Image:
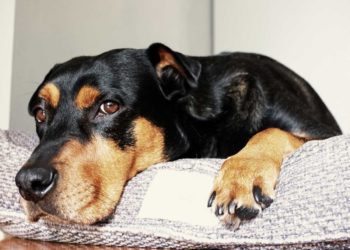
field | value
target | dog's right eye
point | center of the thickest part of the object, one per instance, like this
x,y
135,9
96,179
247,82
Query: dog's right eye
x,y
40,115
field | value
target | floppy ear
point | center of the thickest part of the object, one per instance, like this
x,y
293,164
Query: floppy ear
x,y
178,74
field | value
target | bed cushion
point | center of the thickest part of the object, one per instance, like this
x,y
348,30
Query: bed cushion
x,y
165,206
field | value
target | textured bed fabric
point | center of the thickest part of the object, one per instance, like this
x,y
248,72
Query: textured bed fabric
x,y
311,210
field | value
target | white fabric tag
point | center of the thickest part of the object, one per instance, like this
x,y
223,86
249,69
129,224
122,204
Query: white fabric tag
x,y
2,236
179,196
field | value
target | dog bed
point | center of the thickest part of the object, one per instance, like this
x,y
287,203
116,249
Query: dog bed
x,y
165,206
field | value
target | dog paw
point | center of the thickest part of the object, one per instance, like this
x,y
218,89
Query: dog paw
x,y
243,188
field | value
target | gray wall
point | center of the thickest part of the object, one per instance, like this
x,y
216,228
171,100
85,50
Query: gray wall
x,y
51,31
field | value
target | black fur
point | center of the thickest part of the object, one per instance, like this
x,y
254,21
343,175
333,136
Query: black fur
x,y
207,106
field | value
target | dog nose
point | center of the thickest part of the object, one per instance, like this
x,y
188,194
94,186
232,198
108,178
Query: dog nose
x,y
35,183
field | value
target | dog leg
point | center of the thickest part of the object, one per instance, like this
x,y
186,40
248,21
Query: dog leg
x,y
246,182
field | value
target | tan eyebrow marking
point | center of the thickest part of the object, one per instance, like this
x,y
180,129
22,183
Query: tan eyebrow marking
x,y
86,96
51,94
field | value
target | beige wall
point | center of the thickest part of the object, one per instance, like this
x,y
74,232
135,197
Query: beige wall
x,y
51,31
312,37
7,18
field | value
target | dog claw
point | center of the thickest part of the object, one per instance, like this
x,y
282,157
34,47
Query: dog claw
x,y
219,210
260,198
211,199
231,207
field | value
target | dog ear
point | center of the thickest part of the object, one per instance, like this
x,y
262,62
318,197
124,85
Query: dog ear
x,y
178,74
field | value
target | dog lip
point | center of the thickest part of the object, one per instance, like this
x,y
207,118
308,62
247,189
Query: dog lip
x,y
35,218
47,210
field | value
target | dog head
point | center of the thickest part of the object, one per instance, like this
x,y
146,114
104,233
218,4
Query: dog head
x,y
100,121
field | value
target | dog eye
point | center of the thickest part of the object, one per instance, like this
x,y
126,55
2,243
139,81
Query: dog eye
x,y
40,115
109,107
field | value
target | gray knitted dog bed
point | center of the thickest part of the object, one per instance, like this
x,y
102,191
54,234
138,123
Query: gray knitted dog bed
x,y
165,206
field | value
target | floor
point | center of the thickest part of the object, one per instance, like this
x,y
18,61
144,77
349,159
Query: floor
x,y
7,242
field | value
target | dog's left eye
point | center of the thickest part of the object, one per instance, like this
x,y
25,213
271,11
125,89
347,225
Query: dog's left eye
x,y
109,107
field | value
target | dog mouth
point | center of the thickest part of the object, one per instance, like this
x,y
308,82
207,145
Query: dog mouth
x,y
32,210
90,181
61,212
91,175
81,202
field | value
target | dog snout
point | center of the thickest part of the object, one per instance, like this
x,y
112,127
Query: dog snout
x,y
34,183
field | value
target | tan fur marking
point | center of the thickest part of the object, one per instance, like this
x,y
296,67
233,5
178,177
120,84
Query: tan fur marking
x,y
92,175
166,59
257,164
51,94
86,96
91,180
149,147
272,143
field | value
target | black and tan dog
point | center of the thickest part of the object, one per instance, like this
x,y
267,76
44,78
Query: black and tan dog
x,y
103,119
